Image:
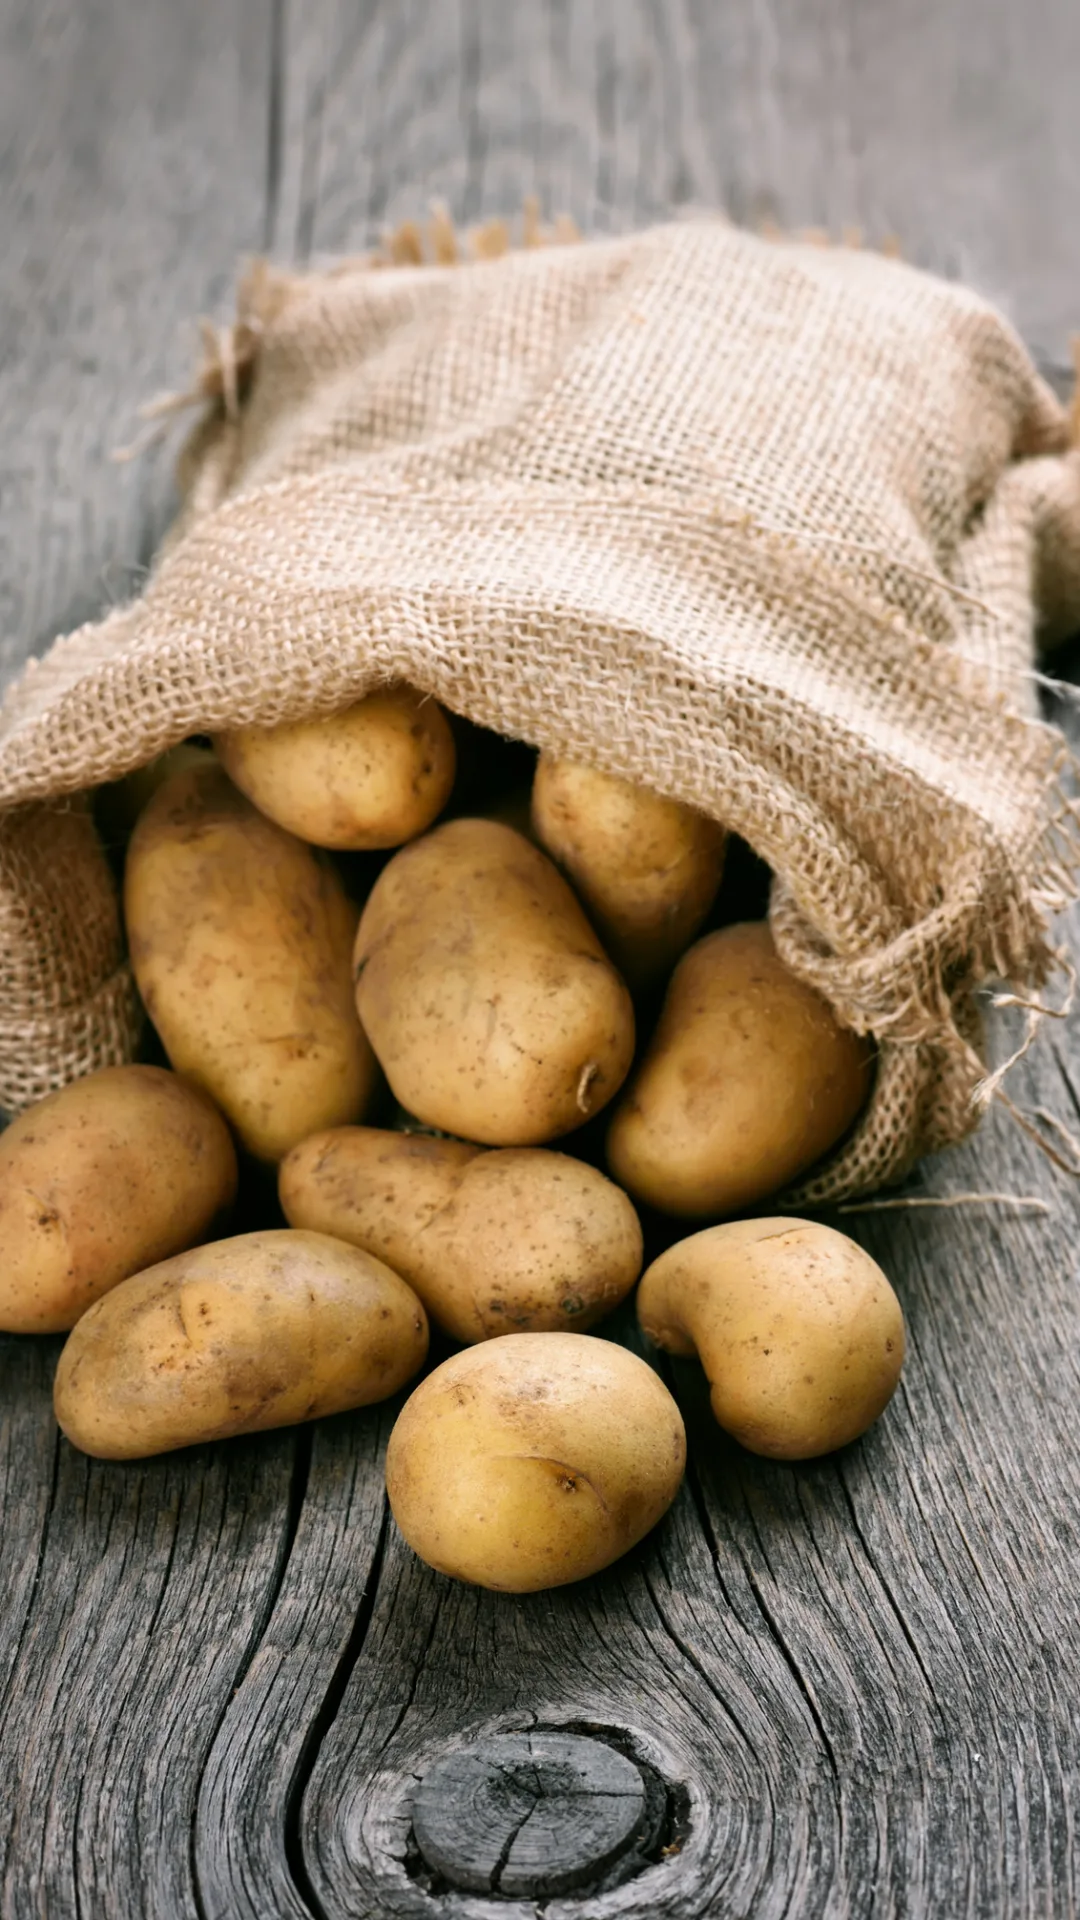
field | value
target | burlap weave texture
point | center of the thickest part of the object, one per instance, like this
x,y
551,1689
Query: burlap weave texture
x,y
767,527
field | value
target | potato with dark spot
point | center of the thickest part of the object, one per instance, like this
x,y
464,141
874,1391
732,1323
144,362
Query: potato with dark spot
x,y
116,1171
798,1330
263,1330
747,1081
241,942
532,1461
491,1005
373,775
511,1241
647,869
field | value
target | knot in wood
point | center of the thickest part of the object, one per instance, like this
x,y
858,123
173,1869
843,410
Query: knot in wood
x,y
528,1815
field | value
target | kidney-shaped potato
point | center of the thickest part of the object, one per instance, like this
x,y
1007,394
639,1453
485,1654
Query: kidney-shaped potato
x,y
493,1010
116,1171
647,869
535,1460
748,1080
374,775
798,1330
241,944
511,1241
263,1330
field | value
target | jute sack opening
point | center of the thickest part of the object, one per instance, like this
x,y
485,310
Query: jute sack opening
x,y
766,527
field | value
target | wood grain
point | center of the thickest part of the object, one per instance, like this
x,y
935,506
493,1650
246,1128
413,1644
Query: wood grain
x,y
529,1814
223,1673
950,128
133,173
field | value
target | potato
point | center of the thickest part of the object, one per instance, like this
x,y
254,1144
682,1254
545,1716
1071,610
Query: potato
x,y
263,1330
798,1330
373,776
240,942
116,1171
748,1080
493,1010
517,1240
647,869
535,1460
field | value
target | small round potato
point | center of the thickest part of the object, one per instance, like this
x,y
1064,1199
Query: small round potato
x,y
98,1181
798,1330
372,776
263,1330
747,1081
647,869
240,942
518,1240
535,1460
493,1010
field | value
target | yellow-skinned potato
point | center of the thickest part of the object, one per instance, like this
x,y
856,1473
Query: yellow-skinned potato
x,y
241,943
535,1460
493,1010
264,1330
748,1080
647,869
510,1241
113,1173
798,1330
374,775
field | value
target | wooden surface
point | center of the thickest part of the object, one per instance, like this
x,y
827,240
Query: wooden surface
x,y
223,1673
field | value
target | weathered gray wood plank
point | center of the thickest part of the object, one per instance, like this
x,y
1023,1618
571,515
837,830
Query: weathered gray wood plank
x,y
950,128
222,1673
245,1858
133,173
151,1593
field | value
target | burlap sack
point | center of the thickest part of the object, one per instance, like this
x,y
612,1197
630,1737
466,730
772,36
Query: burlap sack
x,y
764,526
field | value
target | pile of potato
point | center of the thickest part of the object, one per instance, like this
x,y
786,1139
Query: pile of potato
x,y
488,983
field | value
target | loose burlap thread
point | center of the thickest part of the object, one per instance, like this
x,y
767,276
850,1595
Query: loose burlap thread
x,y
768,527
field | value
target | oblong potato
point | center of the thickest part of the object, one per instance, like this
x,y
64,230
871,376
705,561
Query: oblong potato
x,y
493,1010
748,1080
535,1460
515,1240
115,1172
798,1330
264,1330
647,869
241,940
374,775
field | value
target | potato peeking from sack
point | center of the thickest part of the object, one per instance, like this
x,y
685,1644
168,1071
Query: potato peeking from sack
x,y
749,1079
117,1171
798,1330
647,869
492,1007
241,942
374,775
535,1460
509,1241
263,1330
